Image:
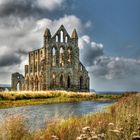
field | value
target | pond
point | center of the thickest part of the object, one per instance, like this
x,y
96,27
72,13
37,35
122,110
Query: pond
x,y
37,115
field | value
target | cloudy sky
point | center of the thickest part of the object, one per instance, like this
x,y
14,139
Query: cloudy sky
x,y
109,37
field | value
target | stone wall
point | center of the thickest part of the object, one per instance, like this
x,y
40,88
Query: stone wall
x,y
17,82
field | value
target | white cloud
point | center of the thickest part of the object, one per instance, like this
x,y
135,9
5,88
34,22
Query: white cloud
x,y
50,4
69,21
3,1
111,68
89,50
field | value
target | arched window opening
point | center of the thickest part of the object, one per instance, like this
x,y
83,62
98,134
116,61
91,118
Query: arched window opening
x,y
53,80
31,68
61,57
68,82
32,85
69,56
36,84
36,67
18,86
56,38
81,67
61,36
81,82
53,57
66,39
61,81
87,83
27,84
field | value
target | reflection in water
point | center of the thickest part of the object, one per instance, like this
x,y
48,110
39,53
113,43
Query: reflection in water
x,y
37,115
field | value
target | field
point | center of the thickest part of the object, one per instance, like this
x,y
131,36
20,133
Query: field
x,y
12,99
120,121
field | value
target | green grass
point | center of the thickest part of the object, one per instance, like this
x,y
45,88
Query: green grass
x,y
13,99
9,103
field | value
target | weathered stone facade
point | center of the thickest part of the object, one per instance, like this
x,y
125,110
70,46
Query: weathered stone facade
x,y
56,66
17,80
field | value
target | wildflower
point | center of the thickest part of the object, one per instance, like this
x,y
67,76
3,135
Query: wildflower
x,y
101,136
115,131
121,129
111,124
134,133
55,138
86,129
79,138
83,136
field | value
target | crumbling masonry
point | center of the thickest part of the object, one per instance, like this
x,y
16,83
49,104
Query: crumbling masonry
x,y
55,66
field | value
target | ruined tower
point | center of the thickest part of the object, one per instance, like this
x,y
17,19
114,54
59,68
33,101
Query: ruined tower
x,y
56,66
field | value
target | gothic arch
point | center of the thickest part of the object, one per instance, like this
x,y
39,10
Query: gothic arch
x,y
61,36
27,83
31,82
53,79
40,80
66,39
17,81
56,38
69,55
18,86
61,81
61,56
36,83
54,55
81,82
68,82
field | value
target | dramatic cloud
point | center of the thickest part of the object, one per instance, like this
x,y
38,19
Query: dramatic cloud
x,y
115,67
69,21
19,35
7,59
115,73
28,7
106,72
89,50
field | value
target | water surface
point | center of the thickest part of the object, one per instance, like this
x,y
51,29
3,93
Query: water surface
x,y
37,115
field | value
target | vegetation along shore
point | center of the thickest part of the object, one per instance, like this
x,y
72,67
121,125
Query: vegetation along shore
x,y
13,99
121,121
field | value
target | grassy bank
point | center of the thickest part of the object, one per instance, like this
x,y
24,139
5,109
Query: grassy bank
x,y
12,99
120,122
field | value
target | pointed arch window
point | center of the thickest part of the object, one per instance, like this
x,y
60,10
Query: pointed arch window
x,y
61,81
68,82
61,61
69,56
18,86
66,39
61,36
54,56
56,38
53,80
81,82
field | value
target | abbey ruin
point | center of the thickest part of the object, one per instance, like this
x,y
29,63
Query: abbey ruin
x,y
55,66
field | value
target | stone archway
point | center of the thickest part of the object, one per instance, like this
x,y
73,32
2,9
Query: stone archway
x,y
18,86
17,81
81,82
61,81
68,82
